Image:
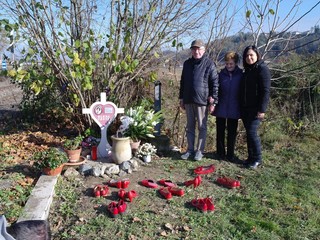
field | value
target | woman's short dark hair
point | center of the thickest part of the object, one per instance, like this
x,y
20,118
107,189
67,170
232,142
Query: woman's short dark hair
x,y
253,48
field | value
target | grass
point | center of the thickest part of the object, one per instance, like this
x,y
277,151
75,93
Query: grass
x,y
278,201
15,188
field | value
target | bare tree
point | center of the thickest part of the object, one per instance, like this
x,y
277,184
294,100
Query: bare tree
x,y
277,43
268,28
78,48
81,47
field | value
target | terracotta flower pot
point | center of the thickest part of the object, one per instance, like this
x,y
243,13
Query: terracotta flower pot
x,y
134,145
121,149
53,172
73,155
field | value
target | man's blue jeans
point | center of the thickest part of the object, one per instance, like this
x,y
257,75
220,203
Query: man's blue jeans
x,y
251,124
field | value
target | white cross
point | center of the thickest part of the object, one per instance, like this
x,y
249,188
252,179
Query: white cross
x,y
103,113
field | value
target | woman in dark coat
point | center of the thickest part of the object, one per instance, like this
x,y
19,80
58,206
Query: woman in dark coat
x,y
227,112
255,92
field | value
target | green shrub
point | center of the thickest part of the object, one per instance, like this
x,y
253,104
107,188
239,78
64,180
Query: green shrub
x,y
51,158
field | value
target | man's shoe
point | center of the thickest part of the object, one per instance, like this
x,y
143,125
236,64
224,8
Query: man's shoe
x,y
220,156
247,162
254,165
198,156
186,155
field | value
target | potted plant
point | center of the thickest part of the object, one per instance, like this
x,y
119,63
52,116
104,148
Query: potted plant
x,y
145,151
50,161
138,123
73,148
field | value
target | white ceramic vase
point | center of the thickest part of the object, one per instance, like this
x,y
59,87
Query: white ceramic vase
x,y
146,158
121,149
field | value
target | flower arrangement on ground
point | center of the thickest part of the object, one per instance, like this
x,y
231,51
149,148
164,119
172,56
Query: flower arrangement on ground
x,y
138,123
146,149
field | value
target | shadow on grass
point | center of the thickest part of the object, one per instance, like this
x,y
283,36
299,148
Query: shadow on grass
x,y
23,169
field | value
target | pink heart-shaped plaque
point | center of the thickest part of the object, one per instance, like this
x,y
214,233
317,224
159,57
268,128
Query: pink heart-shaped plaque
x,y
103,113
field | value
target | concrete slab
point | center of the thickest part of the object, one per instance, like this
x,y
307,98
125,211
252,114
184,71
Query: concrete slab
x,y
38,204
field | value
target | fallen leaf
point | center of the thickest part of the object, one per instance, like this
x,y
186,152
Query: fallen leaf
x,y
168,226
22,182
163,233
29,180
136,219
186,228
132,237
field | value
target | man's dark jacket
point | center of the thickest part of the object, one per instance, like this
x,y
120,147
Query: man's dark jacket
x,y
255,87
199,80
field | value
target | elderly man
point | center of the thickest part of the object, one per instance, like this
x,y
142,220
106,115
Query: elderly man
x,y
198,95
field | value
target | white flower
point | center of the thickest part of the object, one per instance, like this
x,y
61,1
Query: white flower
x,y
139,123
146,149
125,122
149,115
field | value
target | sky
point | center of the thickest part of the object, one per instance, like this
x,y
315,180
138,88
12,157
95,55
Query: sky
x,y
310,20
307,22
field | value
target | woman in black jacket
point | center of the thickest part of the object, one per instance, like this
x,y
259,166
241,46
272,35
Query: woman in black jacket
x,y
255,92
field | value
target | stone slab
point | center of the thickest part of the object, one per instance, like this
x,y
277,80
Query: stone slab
x,y
38,204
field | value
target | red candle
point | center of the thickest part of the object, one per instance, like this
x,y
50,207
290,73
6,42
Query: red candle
x,y
94,153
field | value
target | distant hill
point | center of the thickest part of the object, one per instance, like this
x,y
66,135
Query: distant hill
x,y
300,43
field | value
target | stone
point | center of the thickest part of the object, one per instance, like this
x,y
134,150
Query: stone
x,y
97,170
71,172
112,170
105,176
103,168
107,170
122,173
85,169
134,165
125,166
